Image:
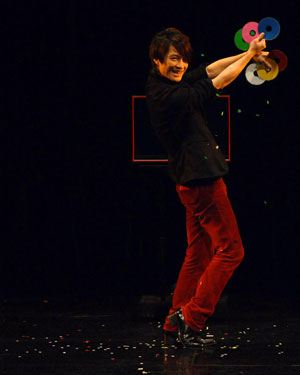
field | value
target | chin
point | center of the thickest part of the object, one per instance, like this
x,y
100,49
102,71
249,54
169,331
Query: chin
x,y
176,79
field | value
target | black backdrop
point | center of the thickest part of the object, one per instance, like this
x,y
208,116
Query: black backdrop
x,y
78,217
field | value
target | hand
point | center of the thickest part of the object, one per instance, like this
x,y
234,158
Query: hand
x,y
258,44
261,58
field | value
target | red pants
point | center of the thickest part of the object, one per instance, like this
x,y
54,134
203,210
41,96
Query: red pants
x,y
214,250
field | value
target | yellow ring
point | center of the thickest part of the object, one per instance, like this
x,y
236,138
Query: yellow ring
x,y
268,76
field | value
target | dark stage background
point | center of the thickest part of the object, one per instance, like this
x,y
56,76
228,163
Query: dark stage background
x,y
78,218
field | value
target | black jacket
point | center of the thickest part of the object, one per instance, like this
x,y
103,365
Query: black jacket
x,y
178,118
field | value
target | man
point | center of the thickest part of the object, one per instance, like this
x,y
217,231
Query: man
x,y
176,101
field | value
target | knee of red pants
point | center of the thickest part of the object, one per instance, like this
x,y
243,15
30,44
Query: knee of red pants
x,y
239,251
233,250
238,255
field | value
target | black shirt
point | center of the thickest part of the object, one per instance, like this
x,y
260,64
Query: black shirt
x,y
178,117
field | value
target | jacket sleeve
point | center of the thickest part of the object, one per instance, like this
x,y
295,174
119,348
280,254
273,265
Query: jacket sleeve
x,y
205,89
202,85
196,74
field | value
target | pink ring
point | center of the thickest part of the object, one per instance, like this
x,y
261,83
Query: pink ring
x,y
249,29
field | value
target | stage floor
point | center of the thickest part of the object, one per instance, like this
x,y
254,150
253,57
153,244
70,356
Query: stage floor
x,y
255,336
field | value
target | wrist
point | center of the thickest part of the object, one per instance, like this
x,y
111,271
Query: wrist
x,y
252,53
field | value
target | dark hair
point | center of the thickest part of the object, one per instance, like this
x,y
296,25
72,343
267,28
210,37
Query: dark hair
x,y
161,42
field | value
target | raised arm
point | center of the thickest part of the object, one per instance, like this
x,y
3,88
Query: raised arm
x,y
231,72
214,69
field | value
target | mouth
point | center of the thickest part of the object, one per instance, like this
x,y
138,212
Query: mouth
x,y
177,73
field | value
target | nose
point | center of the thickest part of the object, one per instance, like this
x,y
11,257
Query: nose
x,y
180,63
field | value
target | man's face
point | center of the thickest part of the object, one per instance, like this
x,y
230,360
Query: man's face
x,y
173,66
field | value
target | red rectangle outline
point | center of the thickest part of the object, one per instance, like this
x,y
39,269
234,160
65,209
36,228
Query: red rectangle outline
x,y
134,160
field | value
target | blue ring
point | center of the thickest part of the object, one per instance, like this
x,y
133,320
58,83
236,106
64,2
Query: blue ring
x,y
270,27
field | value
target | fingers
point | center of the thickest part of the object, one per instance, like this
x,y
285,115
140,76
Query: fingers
x,y
262,59
267,64
259,40
261,36
258,44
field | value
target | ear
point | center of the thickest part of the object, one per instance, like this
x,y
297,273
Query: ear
x,y
156,61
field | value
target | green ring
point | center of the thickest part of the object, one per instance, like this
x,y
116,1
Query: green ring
x,y
239,41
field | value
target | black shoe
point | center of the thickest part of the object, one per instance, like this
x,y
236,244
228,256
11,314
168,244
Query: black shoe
x,y
188,337
171,338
